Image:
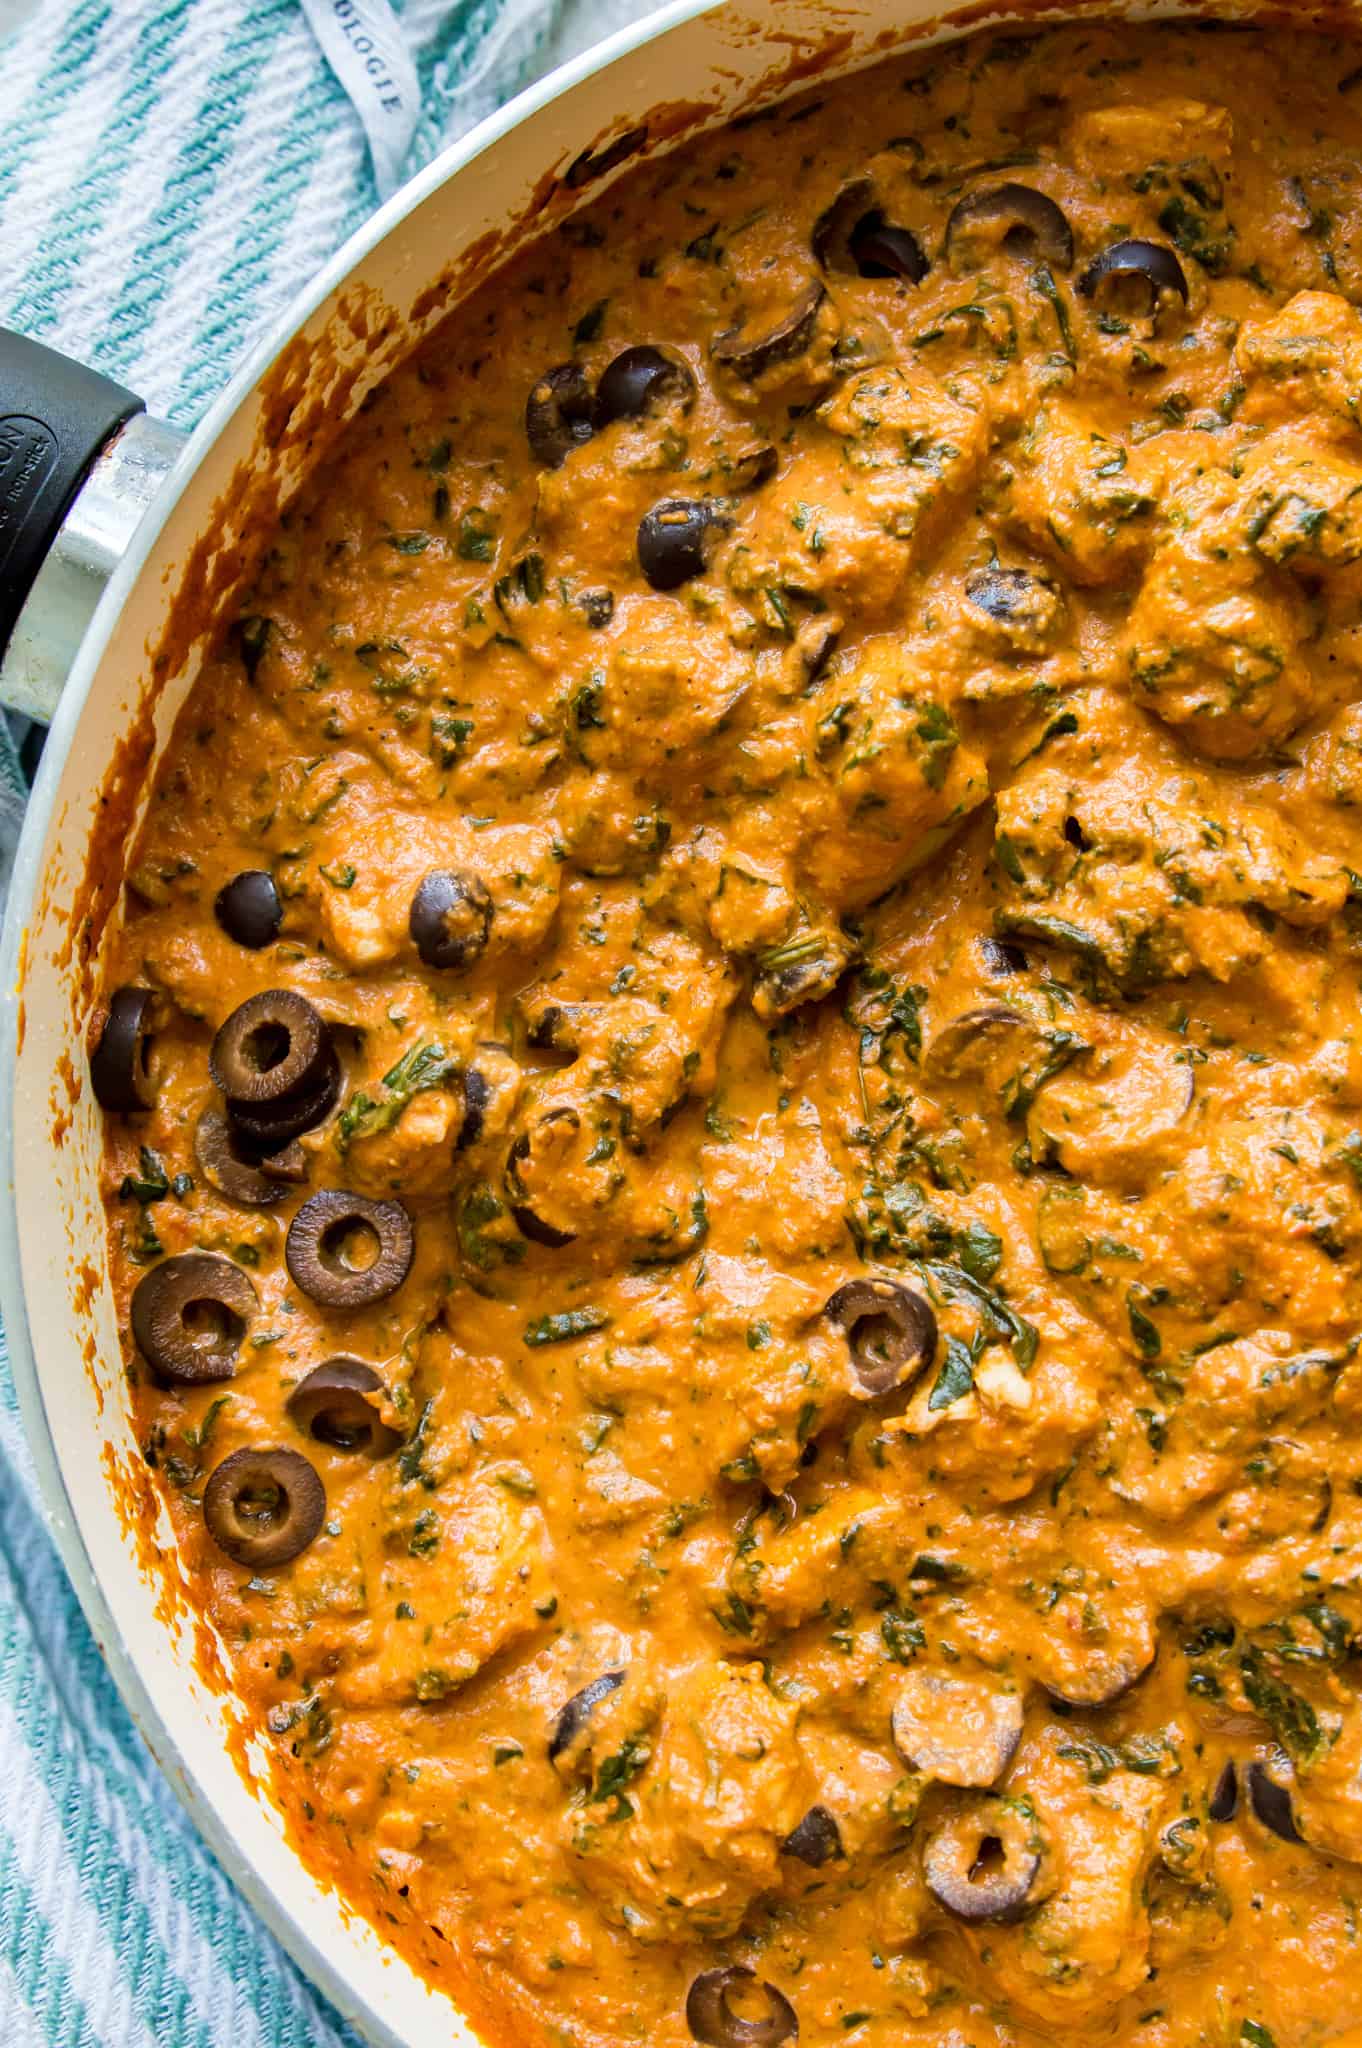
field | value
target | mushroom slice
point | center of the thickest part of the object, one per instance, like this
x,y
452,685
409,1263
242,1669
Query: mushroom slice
x,y
984,1862
264,1507
961,1731
1015,218
712,2020
890,1333
750,349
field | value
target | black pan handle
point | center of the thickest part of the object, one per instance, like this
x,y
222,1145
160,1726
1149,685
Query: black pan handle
x,y
55,417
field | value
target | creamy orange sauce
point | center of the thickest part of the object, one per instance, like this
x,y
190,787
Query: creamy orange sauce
x,y
951,883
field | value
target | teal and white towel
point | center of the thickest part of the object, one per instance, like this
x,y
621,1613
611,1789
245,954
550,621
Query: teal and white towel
x,y
171,172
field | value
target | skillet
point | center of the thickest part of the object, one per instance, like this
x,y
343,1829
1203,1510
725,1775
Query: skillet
x,y
121,547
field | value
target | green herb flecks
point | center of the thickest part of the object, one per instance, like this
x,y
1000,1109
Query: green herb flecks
x,y
956,1376
421,1068
1291,1718
566,1325
150,1182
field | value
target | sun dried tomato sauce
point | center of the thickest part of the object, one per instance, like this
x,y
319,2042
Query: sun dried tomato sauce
x,y
865,1477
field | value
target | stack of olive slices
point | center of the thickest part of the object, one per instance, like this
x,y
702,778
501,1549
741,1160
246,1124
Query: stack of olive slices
x,y
279,1072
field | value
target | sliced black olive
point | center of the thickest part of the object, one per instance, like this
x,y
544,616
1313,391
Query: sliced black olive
x,y
1013,217
882,250
753,467
674,540
816,1840
557,1027
711,2018
1001,958
1026,610
1134,276
890,1333
331,1405
324,1236
751,353
252,636
288,1163
558,414
274,1045
854,237
120,1073
189,1316
244,1176
527,1220
491,1087
817,647
264,1507
451,917
269,1126
983,1863
637,380
476,1096
1271,1804
833,229
576,1712
249,910
1224,1800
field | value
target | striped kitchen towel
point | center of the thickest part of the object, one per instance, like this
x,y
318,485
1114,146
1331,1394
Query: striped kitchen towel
x,y
171,172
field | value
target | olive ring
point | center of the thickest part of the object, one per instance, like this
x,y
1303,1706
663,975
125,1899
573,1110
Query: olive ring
x,y
324,1237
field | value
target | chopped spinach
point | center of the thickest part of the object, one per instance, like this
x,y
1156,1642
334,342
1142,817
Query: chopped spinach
x,y
565,1325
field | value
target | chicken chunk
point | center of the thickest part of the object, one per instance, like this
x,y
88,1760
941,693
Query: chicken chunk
x,y
681,1831
1304,359
484,1584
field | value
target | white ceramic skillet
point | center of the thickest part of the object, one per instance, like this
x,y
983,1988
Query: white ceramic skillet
x,y
157,526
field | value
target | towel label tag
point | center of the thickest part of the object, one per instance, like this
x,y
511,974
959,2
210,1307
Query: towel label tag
x,y
365,47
